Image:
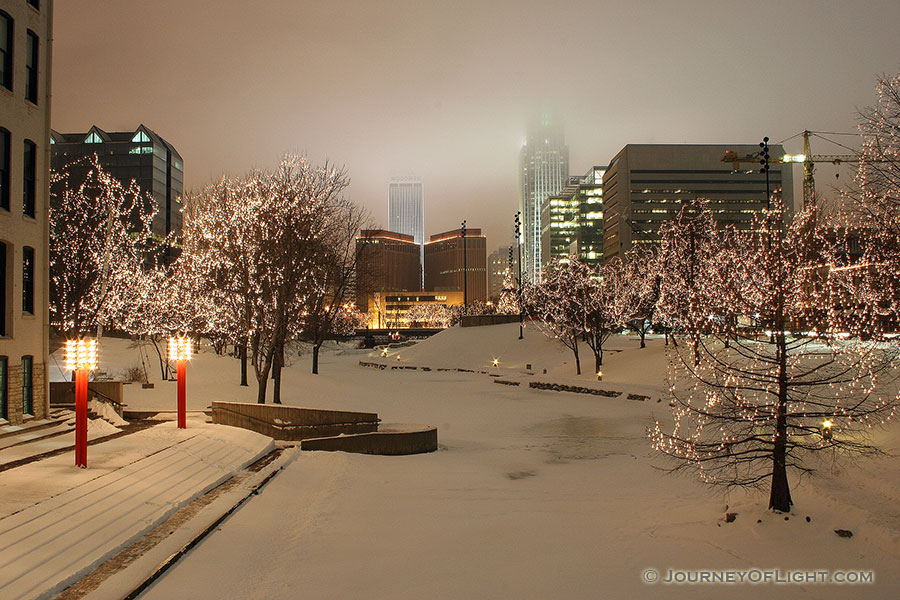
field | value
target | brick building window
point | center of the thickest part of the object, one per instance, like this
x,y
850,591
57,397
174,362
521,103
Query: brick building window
x,y
29,175
31,67
6,50
27,385
4,387
28,280
5,286
4,169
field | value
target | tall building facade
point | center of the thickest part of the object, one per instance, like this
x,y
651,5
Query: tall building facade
x,y
559,223
141,156
543,171
646,185
445,263
406,210
590,217
497,263
26,32
388,262
572,220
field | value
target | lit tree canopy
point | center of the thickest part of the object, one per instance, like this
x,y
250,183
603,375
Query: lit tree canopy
x,y
100,246
797,377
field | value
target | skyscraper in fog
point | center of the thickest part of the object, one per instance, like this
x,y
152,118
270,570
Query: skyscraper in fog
x,y
544,169
406,209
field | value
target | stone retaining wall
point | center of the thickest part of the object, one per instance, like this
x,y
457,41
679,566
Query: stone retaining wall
x,y
291,422
63,392
538,385
391,440
480,320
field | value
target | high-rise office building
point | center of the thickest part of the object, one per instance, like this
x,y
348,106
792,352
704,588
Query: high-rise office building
x,y
497,263
572,220
646,185
141,156
388,262
559,223
543,170
445,263
26,32
406,211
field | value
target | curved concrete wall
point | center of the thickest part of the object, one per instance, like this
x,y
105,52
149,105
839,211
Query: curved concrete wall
x,y
390,440
291,422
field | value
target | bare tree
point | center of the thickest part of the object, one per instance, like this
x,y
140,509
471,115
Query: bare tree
x,y
749,413
638,290
687,245
555,307
328,308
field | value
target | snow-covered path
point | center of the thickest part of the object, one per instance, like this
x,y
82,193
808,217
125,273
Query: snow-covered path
x,y
534,494
133,483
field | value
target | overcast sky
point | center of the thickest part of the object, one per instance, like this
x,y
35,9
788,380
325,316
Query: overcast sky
x,y
444,90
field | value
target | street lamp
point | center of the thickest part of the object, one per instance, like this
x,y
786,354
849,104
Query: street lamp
x,y
764,161
180,350
465,266
81,358
519,280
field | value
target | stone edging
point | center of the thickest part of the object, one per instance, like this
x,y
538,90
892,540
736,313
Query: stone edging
x,y
539,385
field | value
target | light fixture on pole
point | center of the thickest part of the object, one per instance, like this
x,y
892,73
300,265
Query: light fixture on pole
x,y
764,161
465,265
180,350
81,358
519,280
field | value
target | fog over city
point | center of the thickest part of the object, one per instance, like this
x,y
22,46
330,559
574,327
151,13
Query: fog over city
x,y
444,90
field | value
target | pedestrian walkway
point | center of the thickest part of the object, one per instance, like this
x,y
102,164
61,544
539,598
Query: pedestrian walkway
x,y
84,516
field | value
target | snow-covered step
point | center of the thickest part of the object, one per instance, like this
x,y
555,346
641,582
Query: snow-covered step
x,y
33,425
55,428
43,445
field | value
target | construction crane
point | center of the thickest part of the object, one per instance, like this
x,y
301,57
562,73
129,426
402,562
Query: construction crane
x,y
808,159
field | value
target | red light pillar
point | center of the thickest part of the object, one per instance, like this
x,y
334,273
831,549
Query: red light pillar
x,y
81,393
182,403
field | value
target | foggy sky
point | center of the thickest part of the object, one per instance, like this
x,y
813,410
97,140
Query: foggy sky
x,y
444,90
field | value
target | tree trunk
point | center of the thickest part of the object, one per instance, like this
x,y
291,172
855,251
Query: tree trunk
x,y
695,343
315,358
577,359
244,363
261,389
780,495
277,362
163,363
262,378
643,333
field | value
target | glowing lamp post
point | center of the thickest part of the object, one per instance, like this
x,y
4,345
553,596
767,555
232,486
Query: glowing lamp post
x,y
826,429
180,349
81,358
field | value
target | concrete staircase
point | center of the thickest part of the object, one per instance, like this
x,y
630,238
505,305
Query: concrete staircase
x,y
59,422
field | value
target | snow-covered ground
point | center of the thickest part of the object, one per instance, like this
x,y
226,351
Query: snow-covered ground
x,y
58,521
534,494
